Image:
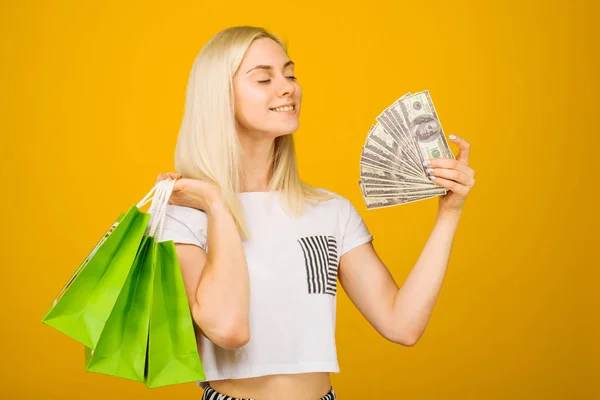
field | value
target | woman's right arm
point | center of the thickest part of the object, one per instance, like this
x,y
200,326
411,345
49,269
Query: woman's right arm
x,y
216,281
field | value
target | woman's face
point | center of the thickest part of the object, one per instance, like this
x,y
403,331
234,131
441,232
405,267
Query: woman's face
x,y
263,84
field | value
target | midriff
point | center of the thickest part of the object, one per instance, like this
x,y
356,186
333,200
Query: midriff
x,y
305,386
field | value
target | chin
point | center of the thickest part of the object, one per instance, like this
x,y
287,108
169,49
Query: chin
x,y
283,133
287,130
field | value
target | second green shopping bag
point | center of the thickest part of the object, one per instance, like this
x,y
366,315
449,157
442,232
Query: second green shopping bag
x,y
172,352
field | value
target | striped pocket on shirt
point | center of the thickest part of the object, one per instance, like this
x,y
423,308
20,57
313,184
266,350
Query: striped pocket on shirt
x,y
320,259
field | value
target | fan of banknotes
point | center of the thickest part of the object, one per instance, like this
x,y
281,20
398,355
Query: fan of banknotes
x,y
391,164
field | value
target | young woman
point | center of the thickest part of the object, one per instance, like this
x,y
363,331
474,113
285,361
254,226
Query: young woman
x,y
261,251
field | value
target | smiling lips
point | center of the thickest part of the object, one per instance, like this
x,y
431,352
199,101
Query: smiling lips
x,y
284,108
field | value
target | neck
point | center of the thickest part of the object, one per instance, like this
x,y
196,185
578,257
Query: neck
x,y
257,156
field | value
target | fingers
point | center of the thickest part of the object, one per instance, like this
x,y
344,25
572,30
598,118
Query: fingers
x,y
449,163
464,148
178,186
168,175
451,175
453,186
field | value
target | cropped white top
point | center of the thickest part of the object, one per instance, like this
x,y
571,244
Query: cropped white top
x,y
293,266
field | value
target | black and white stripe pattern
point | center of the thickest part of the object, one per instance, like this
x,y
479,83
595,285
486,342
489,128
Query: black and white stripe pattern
x,y
212,394
320,258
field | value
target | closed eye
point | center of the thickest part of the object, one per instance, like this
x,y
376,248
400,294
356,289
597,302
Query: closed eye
x,y
293,78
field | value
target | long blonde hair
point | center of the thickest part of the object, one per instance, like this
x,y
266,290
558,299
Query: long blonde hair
x,y
208,147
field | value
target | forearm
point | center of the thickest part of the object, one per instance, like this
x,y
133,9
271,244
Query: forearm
x,y
223,290
416,298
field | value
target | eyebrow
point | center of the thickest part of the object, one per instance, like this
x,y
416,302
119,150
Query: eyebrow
x,y
269,67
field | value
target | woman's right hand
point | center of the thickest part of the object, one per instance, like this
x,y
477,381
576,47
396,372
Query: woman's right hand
x,y
192,193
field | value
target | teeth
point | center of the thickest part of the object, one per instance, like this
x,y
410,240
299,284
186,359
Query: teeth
x,y
286,108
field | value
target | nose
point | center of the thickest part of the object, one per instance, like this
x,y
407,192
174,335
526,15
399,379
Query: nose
x,y
285,87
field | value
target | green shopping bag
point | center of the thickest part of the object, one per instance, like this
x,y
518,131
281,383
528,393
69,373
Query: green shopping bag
x,y
172,352
149,335
81,308
121,349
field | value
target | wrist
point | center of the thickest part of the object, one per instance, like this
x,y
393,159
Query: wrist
x,y
453,215
214,201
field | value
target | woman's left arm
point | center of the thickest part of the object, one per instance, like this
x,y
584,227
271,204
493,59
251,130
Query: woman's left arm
x,y
401,314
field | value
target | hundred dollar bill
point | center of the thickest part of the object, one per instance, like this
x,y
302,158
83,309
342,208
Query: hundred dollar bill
x,y
381,193
396,114
368,172
366,187
381,143
399,148
374,156
393,121
396,129
376,202
389,127
424,126
401,192
389,120
400,184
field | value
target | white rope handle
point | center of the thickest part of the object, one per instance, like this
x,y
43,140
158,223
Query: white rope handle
x,y
147,197
163,211
158,209
158,196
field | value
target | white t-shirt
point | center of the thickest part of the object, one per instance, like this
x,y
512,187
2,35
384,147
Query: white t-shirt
x,y
292,265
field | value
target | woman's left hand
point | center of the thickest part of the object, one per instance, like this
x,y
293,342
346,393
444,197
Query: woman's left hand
x,y
455,175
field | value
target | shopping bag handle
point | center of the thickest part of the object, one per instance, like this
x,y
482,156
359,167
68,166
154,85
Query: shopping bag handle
x,y
161,211
147,198
160,200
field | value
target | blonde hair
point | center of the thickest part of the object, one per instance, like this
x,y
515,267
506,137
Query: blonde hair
x,y
208,147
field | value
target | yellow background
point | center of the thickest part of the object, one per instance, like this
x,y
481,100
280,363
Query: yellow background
x,y
92,98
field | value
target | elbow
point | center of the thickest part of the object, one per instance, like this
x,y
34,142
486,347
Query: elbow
x,y
404,338
409,341
234,338
406,341
412,339
229,335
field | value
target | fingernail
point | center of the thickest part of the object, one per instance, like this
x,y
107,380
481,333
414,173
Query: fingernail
x,y
453,137
432,177
426,162
429,170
